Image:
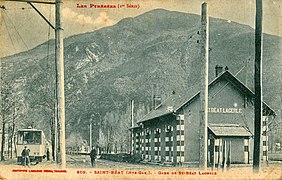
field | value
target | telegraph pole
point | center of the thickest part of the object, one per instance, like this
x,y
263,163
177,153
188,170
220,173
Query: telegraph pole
x,y
204,90
132,115
90,134
258,86
59,54
1,99
60,92
132,125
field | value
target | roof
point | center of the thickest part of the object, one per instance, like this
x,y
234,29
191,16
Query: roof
x,y
229,130
176,101
134,127
27,129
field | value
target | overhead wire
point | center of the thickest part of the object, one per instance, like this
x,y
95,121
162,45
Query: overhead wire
x,y
48,39
10,9
10,37
17,31
48,63
182,48
27,48
21,38
227,83
23,8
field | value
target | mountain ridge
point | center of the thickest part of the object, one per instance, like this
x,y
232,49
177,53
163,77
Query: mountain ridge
x,y
156,51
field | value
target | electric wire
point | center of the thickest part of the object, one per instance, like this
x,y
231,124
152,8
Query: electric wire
x,y
182,48
226,83
23,8
48,39
9,35
27,48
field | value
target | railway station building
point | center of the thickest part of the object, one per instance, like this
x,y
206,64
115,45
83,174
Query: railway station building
x,y
170,132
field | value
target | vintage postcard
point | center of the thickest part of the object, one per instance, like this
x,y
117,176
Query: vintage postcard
x,y
140,89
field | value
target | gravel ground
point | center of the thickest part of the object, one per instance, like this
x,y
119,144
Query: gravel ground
x,y
78,167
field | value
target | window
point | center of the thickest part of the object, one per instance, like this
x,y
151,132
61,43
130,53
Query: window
x,y
180,153
180,143
169,143
168,153
180,132
168,134
168,128
20,137
180,122
37,137
29,137
246,148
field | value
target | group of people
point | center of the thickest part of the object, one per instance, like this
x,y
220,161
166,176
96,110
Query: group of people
x,y
26,159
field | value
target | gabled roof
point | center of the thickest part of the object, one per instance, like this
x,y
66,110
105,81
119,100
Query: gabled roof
x,y
229,130
134,127
176,101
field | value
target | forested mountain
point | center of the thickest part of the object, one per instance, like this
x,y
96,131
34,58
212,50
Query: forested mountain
x,y
157,51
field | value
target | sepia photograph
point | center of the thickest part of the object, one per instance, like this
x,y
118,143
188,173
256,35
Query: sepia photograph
x,y
140,89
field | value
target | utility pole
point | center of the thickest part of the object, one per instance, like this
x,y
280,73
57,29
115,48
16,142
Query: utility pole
x,y
59,115
1,99
59,54
132,125
132,115
60,93
258,86
90,134
204,90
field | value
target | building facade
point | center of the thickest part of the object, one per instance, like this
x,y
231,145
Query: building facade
x,y
170,133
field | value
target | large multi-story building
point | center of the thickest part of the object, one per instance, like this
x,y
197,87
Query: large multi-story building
x,y
170,133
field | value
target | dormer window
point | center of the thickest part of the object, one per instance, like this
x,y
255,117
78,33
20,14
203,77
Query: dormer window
x,y
168,128
158,130
170,108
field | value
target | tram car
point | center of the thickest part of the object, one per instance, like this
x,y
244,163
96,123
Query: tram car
x,y
35,141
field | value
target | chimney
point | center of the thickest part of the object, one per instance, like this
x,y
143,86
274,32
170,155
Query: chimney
x,y
218,70
156,96
157,101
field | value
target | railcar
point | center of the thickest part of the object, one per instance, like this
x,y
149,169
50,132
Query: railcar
x,y
35,141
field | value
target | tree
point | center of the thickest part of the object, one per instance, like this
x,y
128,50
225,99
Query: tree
x,y
12,108
5,111
42,97
115,135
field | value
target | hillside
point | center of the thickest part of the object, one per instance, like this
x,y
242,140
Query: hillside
x,y
107,68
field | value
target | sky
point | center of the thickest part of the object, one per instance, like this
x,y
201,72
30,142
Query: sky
x,y
22,28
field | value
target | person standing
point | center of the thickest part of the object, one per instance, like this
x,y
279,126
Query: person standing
x,y
93,155
48,154
25,156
